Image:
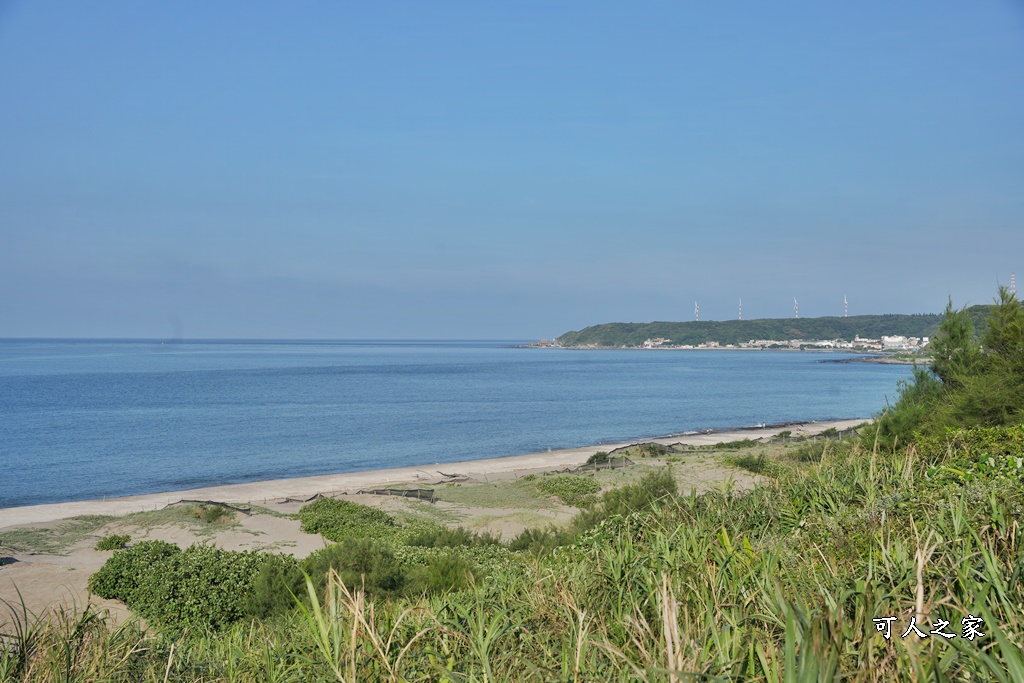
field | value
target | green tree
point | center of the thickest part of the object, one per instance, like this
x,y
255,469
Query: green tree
x,y
1004,333
992,393
955,353
971,382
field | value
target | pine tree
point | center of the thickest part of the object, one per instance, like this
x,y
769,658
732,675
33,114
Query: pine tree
x,y
955,353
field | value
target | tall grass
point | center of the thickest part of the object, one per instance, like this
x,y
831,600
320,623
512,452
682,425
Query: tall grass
x,y
781,584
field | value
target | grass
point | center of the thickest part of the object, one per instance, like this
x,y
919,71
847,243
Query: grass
x,y
270,512
622,476
732,445
59,538
652,450
204,520
571,489
779,584
755,463
113,542
55,540
514,493
422,510
770,457
522,518
213,514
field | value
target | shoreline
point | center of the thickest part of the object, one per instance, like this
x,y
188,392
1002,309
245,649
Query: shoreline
x,y
483,469
864,355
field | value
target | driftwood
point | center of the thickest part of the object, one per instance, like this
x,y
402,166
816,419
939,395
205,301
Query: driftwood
x,y
243,510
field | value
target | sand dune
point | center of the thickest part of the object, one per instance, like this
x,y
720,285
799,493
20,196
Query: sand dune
x,y
304,487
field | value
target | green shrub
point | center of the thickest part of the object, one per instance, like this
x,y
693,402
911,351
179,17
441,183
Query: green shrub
x,y
339,519
572,489
734,445
438,536
756,464
360,563
113,542
446,573
201,587
540,541
652,487
213,514
121,576
965,455
916,402
598,458
275,588
642,495
811,451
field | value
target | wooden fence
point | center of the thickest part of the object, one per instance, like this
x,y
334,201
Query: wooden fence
x,y
420,494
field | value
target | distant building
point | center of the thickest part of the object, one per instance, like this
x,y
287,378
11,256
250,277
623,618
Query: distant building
x,y
862,343
895,342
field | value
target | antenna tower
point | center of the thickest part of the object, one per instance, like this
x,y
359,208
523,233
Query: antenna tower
x,y
796,308
696,311
741,308
846,307
1013,283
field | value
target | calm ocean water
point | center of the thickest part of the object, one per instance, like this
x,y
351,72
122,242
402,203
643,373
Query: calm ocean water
x,y
88,419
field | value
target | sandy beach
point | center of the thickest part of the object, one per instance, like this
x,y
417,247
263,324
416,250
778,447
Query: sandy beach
x,y
350,482
50,549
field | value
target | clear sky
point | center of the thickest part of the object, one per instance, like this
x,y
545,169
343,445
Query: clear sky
x,y
500,170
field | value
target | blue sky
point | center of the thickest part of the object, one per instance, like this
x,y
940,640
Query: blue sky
x,y
486,170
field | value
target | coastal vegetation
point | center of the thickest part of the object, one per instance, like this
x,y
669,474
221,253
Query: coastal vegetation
x,y
617,335
976,377
895,555
53,540
571,489
113,542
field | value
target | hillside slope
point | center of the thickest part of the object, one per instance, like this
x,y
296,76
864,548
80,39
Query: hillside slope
x,y
615,335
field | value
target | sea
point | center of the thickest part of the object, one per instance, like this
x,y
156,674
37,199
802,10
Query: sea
x,y
84,419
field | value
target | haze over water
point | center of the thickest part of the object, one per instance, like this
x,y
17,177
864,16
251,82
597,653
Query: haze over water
x,y
92,419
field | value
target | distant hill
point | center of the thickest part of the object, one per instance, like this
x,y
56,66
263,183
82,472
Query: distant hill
x,y
615,335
